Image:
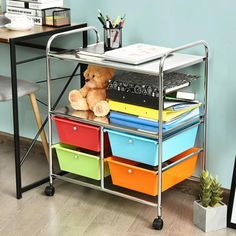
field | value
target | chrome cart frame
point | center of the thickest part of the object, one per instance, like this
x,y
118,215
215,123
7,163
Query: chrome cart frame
x,y
158,68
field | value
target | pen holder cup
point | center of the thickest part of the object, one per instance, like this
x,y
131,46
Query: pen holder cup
x,y
112,38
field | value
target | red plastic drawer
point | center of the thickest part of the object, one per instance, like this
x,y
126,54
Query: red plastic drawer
x,y
78,134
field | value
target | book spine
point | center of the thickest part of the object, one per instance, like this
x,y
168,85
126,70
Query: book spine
x,y
32,5
37,1
46,5
28,12
17,4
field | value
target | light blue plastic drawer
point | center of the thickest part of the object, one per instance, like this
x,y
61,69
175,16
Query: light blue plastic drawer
x,y
145,150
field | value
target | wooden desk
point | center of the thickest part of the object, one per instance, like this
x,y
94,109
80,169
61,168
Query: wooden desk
x,y
14,38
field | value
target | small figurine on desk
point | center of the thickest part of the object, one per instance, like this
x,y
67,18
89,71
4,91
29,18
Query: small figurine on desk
x,y
92,96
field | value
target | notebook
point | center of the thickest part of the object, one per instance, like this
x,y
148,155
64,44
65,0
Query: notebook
x,y
136,53
95,50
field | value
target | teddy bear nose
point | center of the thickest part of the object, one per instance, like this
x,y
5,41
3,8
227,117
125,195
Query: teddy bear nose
x,y
86,80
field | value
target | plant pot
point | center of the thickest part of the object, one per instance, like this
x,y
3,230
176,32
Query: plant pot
x,y
209,218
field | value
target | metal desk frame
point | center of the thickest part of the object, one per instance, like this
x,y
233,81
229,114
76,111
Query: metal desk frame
x,y
21,40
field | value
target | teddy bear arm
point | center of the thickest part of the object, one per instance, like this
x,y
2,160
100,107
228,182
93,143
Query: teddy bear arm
x,y
74,95
81,105
94,96
84,91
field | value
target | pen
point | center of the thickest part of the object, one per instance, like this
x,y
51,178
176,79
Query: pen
x,y
107,24
116,35
122,23
109,20
119,26
108,33
123,17
102,17
116,21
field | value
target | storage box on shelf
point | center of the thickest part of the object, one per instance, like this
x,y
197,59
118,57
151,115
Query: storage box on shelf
x,y
79,150
72,160
56,16
132,146
79,134
128,174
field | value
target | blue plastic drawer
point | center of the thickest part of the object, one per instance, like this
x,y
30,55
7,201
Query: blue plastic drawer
x,y
145,150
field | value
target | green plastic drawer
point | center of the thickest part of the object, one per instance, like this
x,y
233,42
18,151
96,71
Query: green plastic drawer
x,y
79,163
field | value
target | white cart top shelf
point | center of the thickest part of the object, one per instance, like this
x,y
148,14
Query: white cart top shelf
x,y
173,62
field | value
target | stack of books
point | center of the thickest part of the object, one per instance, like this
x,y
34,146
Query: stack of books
x,y
133,99
31,8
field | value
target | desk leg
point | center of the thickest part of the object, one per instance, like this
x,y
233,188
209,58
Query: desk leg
x,y
15,119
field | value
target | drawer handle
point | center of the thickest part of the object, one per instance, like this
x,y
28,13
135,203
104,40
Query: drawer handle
x,y
75,128
130,141
130,171
76,156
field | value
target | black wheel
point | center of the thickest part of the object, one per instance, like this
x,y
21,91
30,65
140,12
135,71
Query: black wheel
x,y
158,223
49,190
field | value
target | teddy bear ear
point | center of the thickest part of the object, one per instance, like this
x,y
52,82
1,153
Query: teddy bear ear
x,y
86,73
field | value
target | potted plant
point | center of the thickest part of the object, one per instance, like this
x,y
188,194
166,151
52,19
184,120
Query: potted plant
x,y
209,213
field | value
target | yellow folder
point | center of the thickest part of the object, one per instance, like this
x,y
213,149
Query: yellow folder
x,y
146,112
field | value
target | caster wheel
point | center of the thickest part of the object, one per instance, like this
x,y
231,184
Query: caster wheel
x,y
49,190
157,223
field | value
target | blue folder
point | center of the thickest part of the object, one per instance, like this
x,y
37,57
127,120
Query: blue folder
x,y
132,118
132,121
133,125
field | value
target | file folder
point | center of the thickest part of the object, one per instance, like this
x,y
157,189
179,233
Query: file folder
x,y
146,128
145,112
149,124
133,125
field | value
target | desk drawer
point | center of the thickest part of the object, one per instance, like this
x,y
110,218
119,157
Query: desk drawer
x,y
78,134
128,174
145,150
79,163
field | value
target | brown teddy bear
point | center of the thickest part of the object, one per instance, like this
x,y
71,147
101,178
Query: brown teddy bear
x,y
92,96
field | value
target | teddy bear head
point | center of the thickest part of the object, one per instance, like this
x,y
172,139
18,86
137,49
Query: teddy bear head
x,y
98,76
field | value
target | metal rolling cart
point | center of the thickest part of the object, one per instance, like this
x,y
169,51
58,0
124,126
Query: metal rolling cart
x,y
157,68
